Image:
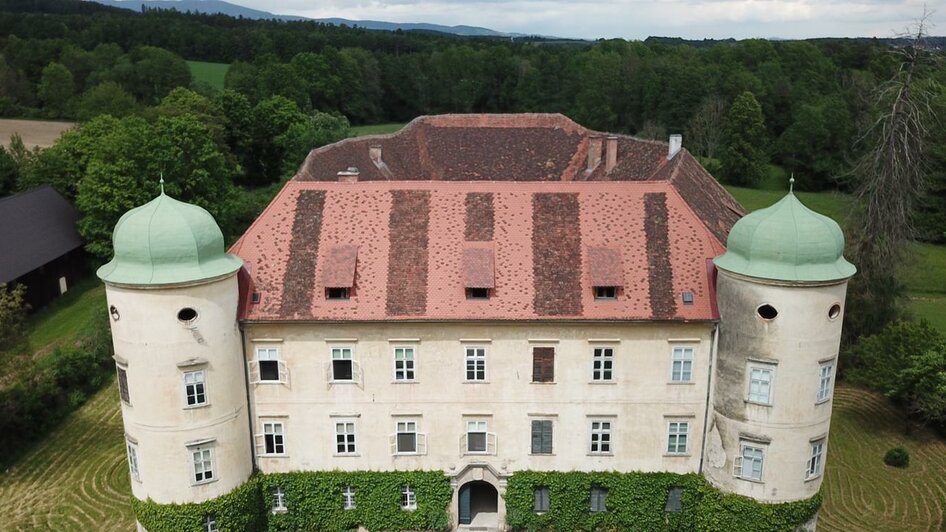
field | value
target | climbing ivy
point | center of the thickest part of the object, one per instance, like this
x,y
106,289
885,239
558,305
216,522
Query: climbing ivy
x,y
314,502
636,501
241,509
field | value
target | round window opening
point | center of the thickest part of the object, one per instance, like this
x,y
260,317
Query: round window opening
x,y
834,311
187,315
114,313
767,312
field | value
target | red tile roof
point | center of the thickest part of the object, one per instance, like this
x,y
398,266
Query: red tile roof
x,y
516,186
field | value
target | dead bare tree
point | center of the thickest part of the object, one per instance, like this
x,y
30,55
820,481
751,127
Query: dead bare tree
x,y
704,132
890,178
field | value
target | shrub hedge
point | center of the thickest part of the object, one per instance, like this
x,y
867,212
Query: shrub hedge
x,y
635,501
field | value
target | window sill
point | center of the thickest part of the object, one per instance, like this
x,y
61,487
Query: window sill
x,y
405,381
476,382
203,482
280,511
408,508
752,480
602,382
541,454
823,401
677,455
681,383
542,382
814,478
274,456
343,382
269,382
196,407
757,403
346,455
477,453
599,454
413,453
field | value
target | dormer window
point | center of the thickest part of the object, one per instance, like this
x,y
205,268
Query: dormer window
x,y
478,272
477,293
336,293
606,292
338,272
606,272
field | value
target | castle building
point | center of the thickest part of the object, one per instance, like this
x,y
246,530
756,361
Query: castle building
x,y
481,294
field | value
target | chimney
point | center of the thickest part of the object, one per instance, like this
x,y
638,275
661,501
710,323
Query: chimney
x,y
348,176
594,154
612,154
374,152
676,142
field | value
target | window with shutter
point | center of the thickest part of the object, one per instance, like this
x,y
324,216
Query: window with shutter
x,y
543,364
599,499
541,503
541,436
123,385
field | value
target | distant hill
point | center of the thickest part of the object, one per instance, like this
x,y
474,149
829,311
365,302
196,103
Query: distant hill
x,y
233,10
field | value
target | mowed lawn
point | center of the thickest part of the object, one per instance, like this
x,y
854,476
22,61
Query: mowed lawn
x,y
212,74
375,129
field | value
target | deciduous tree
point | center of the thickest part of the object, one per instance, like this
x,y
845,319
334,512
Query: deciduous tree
x,y
743,145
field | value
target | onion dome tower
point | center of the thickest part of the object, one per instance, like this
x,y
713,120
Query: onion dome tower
x,y
780,289
172,295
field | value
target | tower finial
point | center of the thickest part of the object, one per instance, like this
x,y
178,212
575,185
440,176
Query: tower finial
x,y
161,182
791,183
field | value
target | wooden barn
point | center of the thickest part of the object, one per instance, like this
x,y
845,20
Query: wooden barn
x,y
40,246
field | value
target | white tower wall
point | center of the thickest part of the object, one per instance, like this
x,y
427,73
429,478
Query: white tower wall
x,y
156,349
793,346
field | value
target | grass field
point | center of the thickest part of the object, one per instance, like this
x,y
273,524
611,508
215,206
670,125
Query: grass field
x,y
42,133
375,129
212,74
860,491
76,479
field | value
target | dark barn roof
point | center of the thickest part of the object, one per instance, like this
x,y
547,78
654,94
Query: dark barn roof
x,y
36,227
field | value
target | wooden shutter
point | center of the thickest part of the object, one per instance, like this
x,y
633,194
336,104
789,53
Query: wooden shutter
x,y
421,443
392,441
254,371
491,443
543,364
541,437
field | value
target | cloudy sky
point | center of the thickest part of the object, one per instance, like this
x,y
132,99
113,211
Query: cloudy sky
x,y
637,19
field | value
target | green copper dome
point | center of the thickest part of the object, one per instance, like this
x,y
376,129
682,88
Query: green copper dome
x,y
786,242
167,241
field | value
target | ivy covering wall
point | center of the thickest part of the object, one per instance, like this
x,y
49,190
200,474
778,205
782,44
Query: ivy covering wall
x,y
314,502
635,501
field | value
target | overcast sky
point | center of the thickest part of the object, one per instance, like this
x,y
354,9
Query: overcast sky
x,y
637,19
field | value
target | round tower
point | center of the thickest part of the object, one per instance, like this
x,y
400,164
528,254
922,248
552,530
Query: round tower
x,y
172,298
780,290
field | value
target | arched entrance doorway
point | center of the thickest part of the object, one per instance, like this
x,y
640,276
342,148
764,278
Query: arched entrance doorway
x,y
478,504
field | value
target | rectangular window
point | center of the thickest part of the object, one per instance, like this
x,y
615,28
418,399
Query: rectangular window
x,y
749,464
606,292
476,363
133,461
274,438
348,498
403,363
477,293
194,388
601,437
681,369
336,293
677,435
815,463
540,500
203,459
408,498
541,436
342,364
603,364
345,437
824,383
406,437
210,523
760,385
476,436
279,501
543,364
599,499
267,358
123,385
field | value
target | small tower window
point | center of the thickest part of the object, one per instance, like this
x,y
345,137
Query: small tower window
x,y
767,312
834,311
114,313
186,315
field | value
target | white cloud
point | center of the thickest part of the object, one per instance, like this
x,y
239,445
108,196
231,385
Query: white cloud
x,y
634,19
